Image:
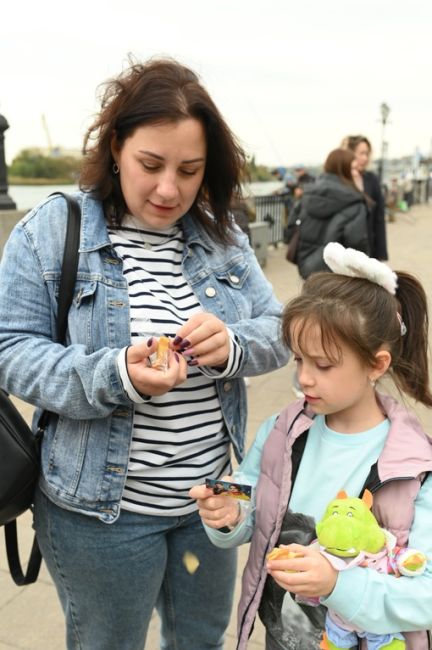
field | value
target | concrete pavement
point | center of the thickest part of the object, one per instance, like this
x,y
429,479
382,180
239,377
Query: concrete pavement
x,y
30,617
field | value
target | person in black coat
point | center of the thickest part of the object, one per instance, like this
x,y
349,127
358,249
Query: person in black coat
x,y
362,149
332,210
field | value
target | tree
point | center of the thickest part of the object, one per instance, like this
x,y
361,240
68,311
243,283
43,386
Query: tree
x,y
257,172
31,163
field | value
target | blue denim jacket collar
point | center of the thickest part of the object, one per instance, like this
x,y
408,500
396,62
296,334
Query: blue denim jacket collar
x,y
94,234
195,233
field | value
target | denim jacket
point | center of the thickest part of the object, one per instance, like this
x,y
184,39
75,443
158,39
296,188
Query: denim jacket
x,y
86,444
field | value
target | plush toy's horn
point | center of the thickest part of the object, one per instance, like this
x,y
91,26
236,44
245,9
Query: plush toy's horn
x,y
367,498
342,495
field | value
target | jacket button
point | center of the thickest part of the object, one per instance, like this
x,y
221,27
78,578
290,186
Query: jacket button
x,y
210,292
234,279
227,386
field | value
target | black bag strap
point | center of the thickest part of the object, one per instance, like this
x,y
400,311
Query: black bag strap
x,y
69,265
35,559
67,284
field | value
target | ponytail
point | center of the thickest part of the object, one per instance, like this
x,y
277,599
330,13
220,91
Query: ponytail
x,y
410,367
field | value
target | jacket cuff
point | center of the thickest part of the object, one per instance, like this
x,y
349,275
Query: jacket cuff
x,y
234,361
128,387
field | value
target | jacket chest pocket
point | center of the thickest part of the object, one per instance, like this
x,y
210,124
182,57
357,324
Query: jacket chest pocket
x,y
234,277
85,315
232,289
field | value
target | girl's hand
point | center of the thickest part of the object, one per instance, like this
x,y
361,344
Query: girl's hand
x,y
205,338
312,576
216,510
147,380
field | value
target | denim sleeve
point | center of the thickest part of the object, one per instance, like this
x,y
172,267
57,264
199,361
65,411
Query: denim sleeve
x,y
247,472
67,380
260,336
381,603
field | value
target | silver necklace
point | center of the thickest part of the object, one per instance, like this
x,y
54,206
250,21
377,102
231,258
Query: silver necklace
x,y
148,245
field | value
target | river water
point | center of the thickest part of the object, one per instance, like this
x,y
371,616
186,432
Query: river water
x,y
27,196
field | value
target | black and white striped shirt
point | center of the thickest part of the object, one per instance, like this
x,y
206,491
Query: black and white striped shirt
x,y
178,438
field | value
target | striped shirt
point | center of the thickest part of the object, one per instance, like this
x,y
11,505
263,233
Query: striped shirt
x,y
178,438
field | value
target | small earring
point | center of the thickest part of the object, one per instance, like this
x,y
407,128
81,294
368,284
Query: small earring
x,y
372,382
115,168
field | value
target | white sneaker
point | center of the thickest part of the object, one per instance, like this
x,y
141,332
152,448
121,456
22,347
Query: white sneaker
x,y
247,381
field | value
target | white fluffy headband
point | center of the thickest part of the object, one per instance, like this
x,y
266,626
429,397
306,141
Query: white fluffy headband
x,y
355,264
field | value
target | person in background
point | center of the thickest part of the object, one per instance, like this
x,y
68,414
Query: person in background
x,y
160,255
302,179
242,215
332,210
369,183
392,199
408,189
286,192
296,189
347,330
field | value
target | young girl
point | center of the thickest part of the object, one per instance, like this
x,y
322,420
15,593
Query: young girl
x,y
347,330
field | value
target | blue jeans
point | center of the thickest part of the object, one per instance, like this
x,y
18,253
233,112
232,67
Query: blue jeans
x,y
110,577
343,638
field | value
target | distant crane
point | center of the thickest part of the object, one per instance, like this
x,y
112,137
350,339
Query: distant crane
x,y
47,133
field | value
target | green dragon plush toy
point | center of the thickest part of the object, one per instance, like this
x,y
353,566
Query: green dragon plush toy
x,y
349,535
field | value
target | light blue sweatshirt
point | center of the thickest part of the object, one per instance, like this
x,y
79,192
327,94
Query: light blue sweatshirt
x,y
369,600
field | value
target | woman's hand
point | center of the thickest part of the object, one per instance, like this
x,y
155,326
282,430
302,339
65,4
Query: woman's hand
x,y
311,575
216,511
147,380
205,338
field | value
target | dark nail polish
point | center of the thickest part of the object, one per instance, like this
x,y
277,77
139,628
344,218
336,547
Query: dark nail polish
x,y
185,344
176,357
177,340
150,342
193,362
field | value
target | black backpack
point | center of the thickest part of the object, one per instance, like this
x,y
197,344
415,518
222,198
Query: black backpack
x,y
20,447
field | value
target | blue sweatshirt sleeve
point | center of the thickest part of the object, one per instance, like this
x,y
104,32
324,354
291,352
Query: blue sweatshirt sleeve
x,y
381,603
247,472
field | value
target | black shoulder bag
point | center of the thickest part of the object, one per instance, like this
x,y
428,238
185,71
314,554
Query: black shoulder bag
x,y
20,448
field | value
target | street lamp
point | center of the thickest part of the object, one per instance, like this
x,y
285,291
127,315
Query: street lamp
x,y
6,202
385,112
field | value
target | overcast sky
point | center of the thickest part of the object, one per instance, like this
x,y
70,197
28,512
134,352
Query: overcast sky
x,y
291,78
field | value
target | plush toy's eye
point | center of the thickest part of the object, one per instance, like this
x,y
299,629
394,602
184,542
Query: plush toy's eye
x,y
335,513
349,514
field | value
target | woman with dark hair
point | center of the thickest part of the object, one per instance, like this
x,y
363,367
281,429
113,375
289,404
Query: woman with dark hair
x,y
370,185
332,210
160,258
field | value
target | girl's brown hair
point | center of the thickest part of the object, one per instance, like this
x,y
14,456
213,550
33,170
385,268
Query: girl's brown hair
x,y
339,162
366,317
158,92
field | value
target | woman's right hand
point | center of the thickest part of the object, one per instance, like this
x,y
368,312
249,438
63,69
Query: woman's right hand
x,y
149,381
216,511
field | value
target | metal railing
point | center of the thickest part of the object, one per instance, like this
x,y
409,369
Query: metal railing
x,y
272,209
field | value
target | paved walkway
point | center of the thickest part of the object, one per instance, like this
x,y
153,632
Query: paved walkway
x,y
30,617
